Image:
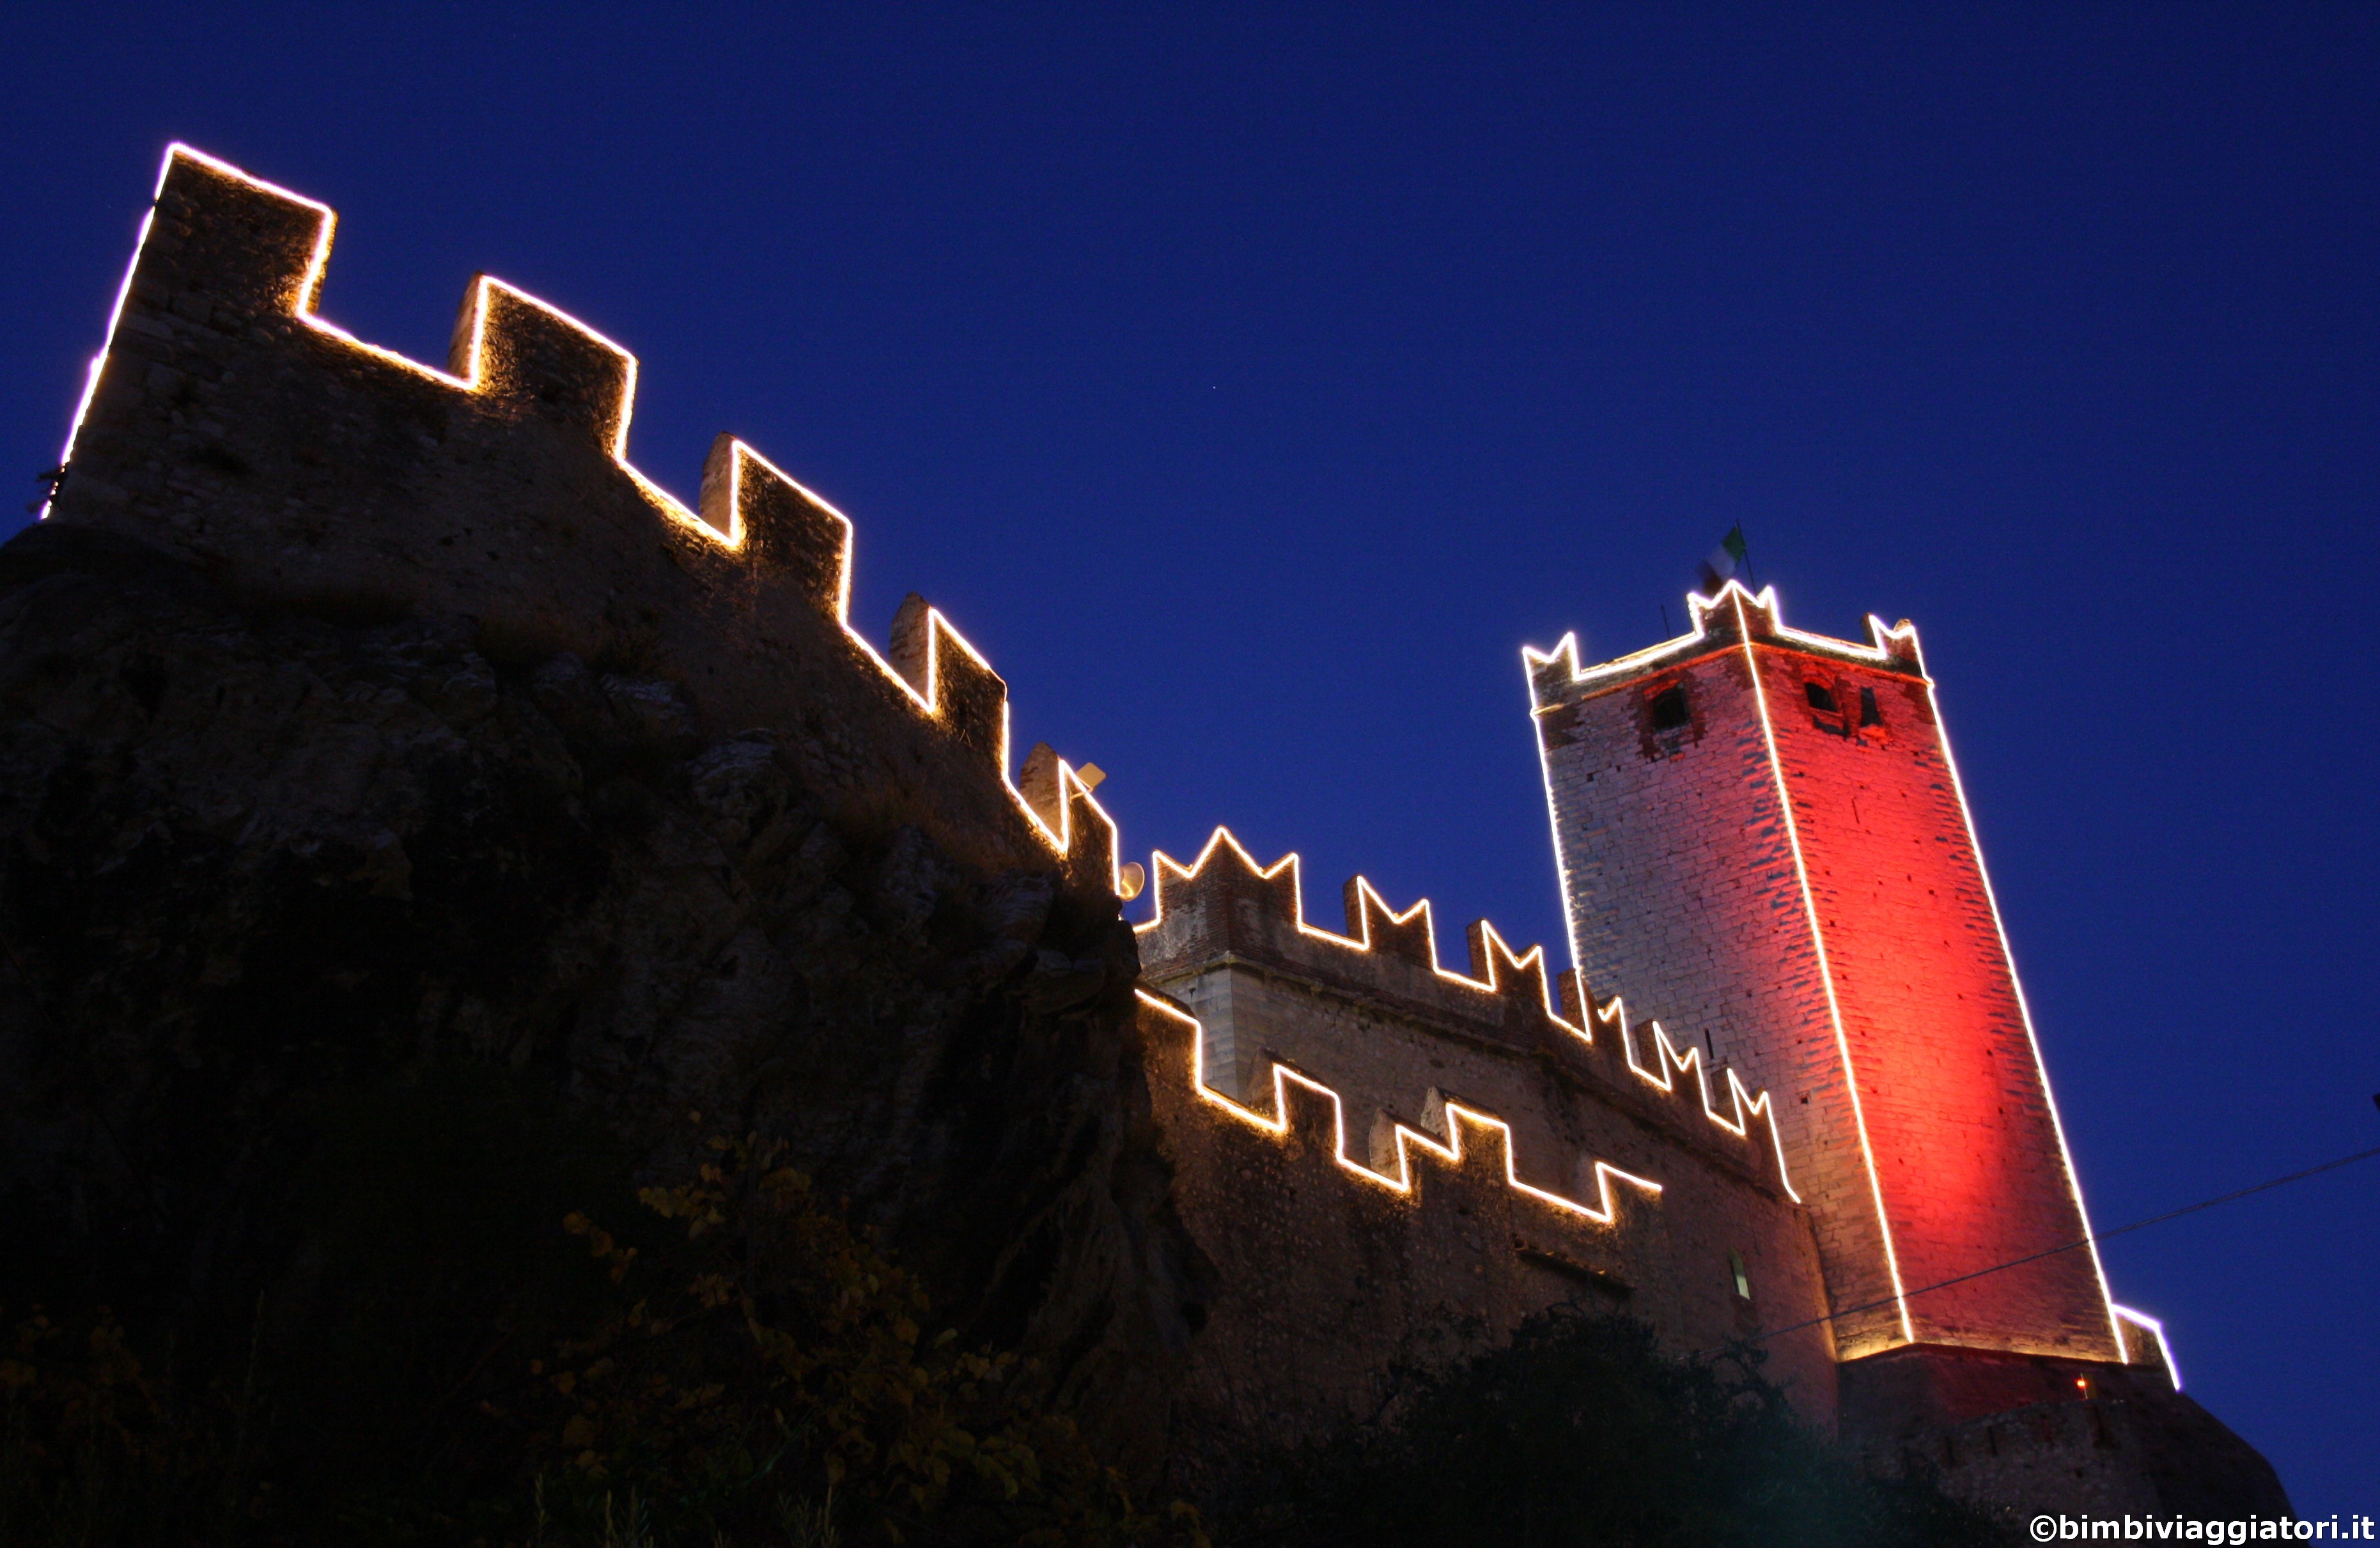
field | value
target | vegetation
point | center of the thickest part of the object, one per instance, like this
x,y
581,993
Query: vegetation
x,y
755,1372
789,1373
1581,1433
472,1346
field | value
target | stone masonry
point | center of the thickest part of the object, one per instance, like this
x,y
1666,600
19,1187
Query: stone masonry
x,y
1678,1208
230,425
1374,1159
1844,948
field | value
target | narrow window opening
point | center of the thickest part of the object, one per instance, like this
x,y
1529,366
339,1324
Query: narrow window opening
x,y
1869,714
1667,708
1822,699
1743,1280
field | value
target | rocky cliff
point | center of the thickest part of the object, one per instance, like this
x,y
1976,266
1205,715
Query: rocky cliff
x,y
417,828
268,876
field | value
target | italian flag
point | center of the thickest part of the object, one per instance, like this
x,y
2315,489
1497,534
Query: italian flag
x,y
1724,561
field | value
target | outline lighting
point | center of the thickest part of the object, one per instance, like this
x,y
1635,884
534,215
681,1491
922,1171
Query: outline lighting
x,y
99,362
307,295
1891,645
1825,969
1450,1150
2165,1346
1746,1106
2024,1015
1698,610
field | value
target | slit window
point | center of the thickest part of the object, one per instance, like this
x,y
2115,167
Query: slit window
x,y
1667,709
1869,714
1743,1280
1822,699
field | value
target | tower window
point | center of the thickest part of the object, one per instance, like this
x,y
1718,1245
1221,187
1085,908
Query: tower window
x,y
1822,699
1869,714
1666,710
1743,1280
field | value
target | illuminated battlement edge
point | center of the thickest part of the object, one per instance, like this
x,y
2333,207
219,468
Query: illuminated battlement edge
x,y
1392,1167
1512,986
1730,619
510,345
1915,1260
1737,621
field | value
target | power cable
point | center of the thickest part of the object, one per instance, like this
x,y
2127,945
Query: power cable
x,y
2079,1242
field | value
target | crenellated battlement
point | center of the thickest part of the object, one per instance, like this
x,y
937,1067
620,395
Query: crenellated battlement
x,y
228,419
1225,909
1454,1135
1734,619
1383,1142
1761,831
1758,831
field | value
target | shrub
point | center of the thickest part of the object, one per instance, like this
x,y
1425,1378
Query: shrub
x,y
1580,1432
777,1361
758,1373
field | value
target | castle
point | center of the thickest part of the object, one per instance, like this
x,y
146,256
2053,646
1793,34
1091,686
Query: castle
x,y
1786,1093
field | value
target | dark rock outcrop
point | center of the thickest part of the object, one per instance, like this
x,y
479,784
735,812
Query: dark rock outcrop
x,y
263,871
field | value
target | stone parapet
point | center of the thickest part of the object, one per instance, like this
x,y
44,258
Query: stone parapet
x,y
1225,909
1760,832
227,422
1346,1242
1624,1170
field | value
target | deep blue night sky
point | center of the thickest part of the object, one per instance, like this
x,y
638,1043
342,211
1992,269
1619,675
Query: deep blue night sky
x,y
1252,385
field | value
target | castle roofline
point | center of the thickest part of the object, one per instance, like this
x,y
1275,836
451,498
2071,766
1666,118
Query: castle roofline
x,y
224,255
1734,616
1225,908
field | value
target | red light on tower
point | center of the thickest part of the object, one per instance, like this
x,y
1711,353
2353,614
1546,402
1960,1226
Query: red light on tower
x,y
1761,838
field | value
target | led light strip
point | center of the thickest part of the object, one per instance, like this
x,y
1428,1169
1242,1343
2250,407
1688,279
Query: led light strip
x,y
1223,835
1667,1060
99,362
1604,1213
1699,608
309,293
2024,1013
1746,1106
1826,971
1698,611
2124,1344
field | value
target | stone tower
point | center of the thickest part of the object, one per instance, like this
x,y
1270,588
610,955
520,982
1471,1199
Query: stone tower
x,y
1762,839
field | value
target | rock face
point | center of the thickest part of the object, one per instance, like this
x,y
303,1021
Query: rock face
x,y
416,825
408,807
2022,1435
255,860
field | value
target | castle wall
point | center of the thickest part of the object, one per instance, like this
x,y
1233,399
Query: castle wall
x,y
228,424
1377,1044
1850,934
2021,1434
1680,882
1956,1105
1378,1158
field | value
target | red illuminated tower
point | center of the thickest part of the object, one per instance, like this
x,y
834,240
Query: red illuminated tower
x,y
1763,844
